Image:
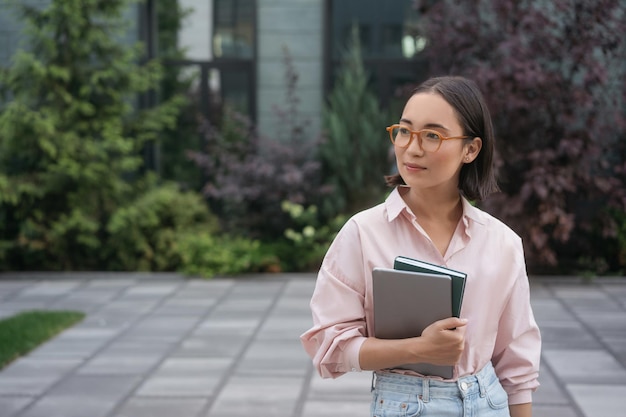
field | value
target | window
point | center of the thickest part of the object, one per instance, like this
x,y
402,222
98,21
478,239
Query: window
x,y
210,57
391,43
234,32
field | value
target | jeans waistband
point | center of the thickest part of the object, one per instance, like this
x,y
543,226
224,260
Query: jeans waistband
x,y
428,387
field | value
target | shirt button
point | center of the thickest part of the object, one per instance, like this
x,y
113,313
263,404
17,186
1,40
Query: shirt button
x,y
463,385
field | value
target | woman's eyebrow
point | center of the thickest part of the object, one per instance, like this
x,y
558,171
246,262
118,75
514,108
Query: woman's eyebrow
x,y
427,126
435,125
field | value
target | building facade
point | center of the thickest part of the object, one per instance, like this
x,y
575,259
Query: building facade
x,y
247,41
237,49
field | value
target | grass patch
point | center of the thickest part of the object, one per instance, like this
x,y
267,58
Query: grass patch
x,y
23,332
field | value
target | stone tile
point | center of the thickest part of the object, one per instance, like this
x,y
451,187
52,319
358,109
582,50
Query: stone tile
x,y
193,366
333,408
550,392
111,284
254,307
161,407
606,323
211,347
31,376
129,307
155,291
256,290
107,387
9,406
617,346
185,306
119,365
98,320
550,311
53,406
225,326
276,397
80,396
293,306
11,289
540,410
180,386
5,314
300,287
352,386
578,292
567,335
76,343
600,400
164,327
25,304
585,366
50,289
281,327
84,300
205,289
274,357
132,345
185,377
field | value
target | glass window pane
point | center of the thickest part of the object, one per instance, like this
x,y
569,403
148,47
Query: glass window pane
x,y
233,35
387,29
235,90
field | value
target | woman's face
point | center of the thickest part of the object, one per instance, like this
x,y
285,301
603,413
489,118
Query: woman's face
x,y
433,171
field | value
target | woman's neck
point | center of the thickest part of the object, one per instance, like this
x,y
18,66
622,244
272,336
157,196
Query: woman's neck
x,y
434,206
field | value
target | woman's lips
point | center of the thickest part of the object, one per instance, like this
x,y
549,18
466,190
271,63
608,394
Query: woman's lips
x,y
414,167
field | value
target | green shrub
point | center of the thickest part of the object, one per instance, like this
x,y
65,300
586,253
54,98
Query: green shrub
x,y
209,255
145,235
307,243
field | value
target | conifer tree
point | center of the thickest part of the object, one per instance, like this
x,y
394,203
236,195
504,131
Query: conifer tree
x,y
71,134
356,150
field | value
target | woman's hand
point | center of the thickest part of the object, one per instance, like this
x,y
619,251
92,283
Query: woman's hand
x,y
441,343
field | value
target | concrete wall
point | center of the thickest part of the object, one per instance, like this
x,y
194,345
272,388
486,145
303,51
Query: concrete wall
x,y
297,25
195,35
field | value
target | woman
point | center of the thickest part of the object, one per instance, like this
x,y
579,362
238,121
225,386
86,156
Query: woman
x,y
444,146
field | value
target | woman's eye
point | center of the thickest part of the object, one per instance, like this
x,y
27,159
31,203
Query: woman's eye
x,y
432,136
404,131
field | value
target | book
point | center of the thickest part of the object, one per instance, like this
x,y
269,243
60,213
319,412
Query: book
x,y
405,303
404,263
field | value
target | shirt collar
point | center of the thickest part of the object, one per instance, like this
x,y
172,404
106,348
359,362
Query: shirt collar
x,y
394,204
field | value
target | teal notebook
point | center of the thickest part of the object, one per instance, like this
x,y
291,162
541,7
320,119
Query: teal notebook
x,y
458,278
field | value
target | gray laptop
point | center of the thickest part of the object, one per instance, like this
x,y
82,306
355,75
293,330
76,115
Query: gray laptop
x,y
405,303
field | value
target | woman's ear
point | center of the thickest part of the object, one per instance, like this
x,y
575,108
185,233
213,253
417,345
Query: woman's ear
x,y
472,149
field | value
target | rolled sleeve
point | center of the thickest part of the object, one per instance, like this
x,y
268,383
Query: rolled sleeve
x,y
338,329
518,347
337,306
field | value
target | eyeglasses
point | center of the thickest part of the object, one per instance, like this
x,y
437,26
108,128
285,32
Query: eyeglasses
x,y
429,140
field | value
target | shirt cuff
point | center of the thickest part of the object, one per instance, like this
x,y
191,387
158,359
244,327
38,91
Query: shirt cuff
x,y
521,397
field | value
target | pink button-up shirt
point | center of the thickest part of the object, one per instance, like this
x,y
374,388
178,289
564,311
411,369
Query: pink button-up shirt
x,y
501,327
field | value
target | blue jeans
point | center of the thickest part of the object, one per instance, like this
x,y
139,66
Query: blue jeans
x,y
479,395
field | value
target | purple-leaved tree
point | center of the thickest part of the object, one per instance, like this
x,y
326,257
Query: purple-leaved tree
x,y
552,72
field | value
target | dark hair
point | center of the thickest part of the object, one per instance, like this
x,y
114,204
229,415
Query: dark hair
x,y
477,179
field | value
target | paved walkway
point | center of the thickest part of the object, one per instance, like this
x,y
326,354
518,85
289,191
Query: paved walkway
x,y
164,346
